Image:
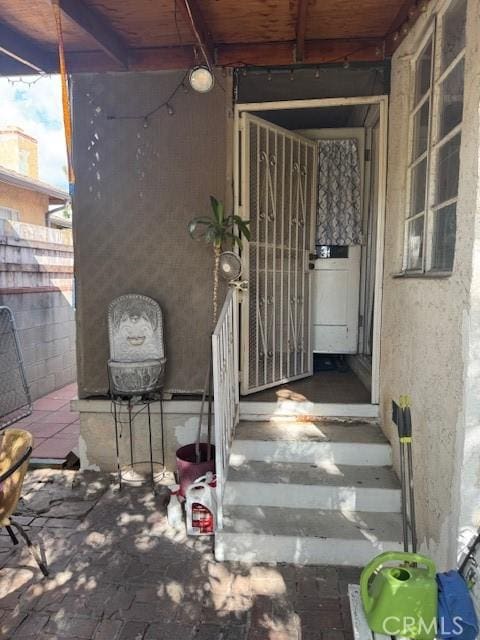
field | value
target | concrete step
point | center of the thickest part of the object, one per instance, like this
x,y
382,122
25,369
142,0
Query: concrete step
x,y
305,536
323,486
338,442
254,410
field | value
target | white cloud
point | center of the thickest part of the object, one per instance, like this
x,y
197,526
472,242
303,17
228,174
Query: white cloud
x,y
37,109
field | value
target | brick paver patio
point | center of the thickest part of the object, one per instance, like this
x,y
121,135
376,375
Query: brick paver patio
x,y
54,426
118,572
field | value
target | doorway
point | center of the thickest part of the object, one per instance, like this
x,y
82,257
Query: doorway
x,y
312,310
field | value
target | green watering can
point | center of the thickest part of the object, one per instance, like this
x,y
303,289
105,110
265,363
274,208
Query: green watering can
x,y
400,600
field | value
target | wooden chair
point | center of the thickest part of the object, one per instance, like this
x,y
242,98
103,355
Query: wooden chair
x,y
15,451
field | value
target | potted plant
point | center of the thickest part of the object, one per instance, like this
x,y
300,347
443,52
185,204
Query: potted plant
x,y
219,231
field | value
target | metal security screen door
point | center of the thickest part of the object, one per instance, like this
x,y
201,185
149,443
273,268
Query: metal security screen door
x,y
278,196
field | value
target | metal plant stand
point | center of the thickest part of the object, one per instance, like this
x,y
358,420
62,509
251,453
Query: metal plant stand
x,y
134,407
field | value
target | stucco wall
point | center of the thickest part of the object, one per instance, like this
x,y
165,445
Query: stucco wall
x,y
97,433
31,205
423,323
136,189
468,460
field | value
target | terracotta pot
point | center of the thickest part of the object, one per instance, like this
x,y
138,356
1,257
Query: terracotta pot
x,y
189,470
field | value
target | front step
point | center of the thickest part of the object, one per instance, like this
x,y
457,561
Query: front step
x,y
309,486
305,536
354,442
309,493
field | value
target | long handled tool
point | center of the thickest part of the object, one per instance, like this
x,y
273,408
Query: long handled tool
x,y
402,417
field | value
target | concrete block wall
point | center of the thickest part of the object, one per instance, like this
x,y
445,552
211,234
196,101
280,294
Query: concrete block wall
x,y
36,282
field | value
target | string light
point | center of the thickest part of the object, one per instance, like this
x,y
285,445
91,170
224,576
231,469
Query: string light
x,y
166,104
27,83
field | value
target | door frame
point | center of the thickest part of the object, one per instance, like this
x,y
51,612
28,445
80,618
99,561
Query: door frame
x,y
239,176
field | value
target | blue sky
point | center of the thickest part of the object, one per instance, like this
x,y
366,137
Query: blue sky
x,y
37,109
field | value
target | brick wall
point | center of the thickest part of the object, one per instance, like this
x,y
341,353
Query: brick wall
x,y
31,205
36,282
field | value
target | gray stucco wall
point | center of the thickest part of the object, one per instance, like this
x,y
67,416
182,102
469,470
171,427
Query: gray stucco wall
x,y
136,190
46,332
424,322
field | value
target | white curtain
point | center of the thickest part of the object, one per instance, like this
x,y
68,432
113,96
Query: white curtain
x,y
339,214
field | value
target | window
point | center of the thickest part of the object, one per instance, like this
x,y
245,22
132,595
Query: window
x,y
435,136
6,213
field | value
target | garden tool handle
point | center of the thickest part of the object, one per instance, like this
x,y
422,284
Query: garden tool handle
x,y
390,556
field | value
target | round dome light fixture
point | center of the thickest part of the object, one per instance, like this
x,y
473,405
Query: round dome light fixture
x,y
201,79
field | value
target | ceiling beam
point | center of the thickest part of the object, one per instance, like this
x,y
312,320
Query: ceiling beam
x,y
316,52
22,50
196,20
301,30
98,27
234,55
268,54
408,14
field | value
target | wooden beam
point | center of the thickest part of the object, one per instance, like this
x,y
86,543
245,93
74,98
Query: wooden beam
x,y
24,51
195,18
316,52
407,15
301,30
98,27
268,54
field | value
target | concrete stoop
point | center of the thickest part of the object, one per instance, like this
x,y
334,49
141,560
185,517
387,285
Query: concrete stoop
x,y
309,493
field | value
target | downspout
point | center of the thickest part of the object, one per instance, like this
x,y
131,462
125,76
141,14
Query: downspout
x,y
49,212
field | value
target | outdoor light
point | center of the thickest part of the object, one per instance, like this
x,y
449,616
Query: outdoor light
x,y
201,79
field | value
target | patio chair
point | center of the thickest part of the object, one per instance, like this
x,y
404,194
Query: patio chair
x,y
15,451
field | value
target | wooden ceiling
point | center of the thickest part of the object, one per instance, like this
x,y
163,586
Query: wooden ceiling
x,y
154,34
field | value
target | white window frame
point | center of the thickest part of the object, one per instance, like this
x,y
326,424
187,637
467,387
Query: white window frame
x,y
434,141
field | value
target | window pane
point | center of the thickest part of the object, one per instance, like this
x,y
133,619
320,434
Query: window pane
x,y
419,181
453,24
451,99
448,166
420,130
423,72
415,244
443,243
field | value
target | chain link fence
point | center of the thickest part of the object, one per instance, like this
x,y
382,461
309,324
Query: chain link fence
x,y
15,402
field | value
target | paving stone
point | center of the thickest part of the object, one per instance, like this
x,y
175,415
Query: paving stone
x,y
207,632
133,631
118,573
31,626
168,631
74,626
108,630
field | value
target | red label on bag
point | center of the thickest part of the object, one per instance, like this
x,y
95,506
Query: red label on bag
x,y
202,518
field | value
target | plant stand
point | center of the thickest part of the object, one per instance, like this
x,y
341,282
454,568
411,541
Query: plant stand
x,y
135,407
